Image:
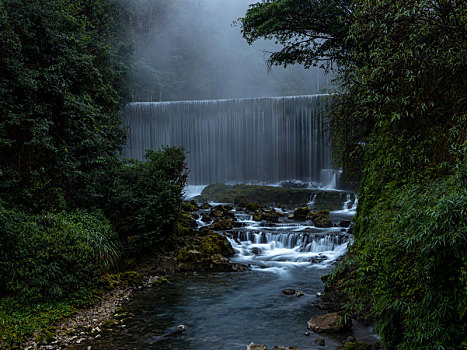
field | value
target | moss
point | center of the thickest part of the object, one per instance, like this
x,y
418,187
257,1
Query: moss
x,y
128,278
216,244
190,206
108,323
209,246
45,337
253,197
121,315
357,346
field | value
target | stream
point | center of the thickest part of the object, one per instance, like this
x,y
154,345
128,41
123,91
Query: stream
x,y
230,310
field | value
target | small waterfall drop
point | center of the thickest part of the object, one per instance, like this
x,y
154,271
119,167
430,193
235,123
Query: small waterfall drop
x,y
239,140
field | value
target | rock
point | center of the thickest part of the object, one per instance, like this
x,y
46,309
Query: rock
x,y
254,346
256,251
270,215
97,336
288,291
222,223
318,259
153,279
350,338
190,206
344,223
294,184
320,341
285,347
320,218
300,293
205,206
221,210
319,294
210,253
329,323
356,346
307,334
301,213
271,195
257,215
205,218
252,207
180,328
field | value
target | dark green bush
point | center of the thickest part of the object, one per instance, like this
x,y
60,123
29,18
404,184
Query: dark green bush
x,y
412,263
54,256
143,199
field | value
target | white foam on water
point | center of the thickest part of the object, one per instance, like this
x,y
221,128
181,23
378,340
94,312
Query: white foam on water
x,y
192,191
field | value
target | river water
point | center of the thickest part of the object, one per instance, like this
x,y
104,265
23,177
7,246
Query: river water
x,y
230,310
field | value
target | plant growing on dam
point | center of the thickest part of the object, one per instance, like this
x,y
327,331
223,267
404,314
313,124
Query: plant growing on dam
x,y
399,120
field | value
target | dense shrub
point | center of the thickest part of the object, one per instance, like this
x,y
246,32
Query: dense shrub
x,y
143,199
54,256
411,261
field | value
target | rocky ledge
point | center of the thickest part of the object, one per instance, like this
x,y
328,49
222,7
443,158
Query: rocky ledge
x,y
271,195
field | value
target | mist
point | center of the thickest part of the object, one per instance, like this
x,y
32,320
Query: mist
x,y
191,49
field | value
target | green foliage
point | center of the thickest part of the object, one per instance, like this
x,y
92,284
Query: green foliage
x,y
310,32
18,321
63,81
61,86
143,199
54,256
412,256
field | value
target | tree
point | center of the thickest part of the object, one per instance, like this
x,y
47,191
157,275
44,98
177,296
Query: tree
x,y
311,32
62,76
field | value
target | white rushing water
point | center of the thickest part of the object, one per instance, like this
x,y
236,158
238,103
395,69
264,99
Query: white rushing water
x,y
283,246
239,140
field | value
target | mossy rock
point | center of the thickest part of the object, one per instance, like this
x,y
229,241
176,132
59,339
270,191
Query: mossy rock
x,y
270,215
320,218
222,223
301,213
108,323
216,244
357,346
209,247
128,278
190,206
221,210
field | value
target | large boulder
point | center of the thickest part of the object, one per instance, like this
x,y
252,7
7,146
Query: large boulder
x,y
209,253
190,206
222,223
205,218
320,218
257,215
329,323
270,215
220,211
271,195
301,213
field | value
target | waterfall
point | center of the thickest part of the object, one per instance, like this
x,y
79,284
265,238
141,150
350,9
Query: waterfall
x,y
239,140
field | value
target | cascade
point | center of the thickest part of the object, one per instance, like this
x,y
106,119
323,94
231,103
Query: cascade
x,y
238,140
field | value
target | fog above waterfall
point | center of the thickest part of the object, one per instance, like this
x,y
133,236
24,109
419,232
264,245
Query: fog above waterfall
x,y
190,49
